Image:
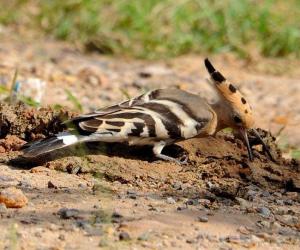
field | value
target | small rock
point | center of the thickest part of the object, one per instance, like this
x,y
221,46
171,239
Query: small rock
x,y
124,236
262,235
264,224
116,217
288,219
288,202
103,243
170,200
131,195
153,208
264,212
279,202
292,195
191,241
233,239
51,185
193,202
203,218
13,197
143,237
243,203
243,230
250,195
286,231
62,237
276,225
265,194
277,194
67,213
38,234
254,239
177,185
204,202
83,224
145,74
116,214
3,208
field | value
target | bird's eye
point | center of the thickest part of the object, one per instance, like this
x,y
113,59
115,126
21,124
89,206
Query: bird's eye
x,y
237,119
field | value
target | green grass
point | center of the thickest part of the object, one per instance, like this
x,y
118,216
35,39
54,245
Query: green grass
x,y
165,28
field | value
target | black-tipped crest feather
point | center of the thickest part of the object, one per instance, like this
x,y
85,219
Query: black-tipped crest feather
x,y
210,68
216,75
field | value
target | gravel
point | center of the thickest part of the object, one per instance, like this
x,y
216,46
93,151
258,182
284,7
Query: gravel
x,y
203,219
264,212
171,200
124,236
68,213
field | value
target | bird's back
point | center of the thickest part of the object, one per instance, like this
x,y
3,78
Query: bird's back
x,y
163,114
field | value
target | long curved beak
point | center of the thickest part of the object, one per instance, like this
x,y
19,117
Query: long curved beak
x,y
244,134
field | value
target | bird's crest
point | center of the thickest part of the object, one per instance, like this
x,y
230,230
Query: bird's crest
x,y
232,95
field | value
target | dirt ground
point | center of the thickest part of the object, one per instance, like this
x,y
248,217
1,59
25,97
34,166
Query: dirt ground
x,y
111,196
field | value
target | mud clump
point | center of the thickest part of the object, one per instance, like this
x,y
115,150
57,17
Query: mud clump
x,y
11,143
13,197
30,124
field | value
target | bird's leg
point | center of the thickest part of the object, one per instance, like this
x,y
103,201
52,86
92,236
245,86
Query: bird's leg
x,y
158,147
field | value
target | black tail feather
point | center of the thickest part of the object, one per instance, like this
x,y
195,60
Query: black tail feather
x,y
34,149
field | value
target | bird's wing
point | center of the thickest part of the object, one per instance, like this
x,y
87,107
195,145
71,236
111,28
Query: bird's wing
x,y
159,114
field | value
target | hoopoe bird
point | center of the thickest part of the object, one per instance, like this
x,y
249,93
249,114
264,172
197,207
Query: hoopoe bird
x,y
158,118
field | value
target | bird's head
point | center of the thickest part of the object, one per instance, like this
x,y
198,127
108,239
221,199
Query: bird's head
x,y
234,111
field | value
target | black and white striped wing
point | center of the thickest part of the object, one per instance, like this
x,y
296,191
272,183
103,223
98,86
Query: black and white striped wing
x,y
156,115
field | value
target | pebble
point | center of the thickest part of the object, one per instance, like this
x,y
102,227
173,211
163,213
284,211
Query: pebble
x,y
289,219
266,194
243,203
286,231
124,236
243,230
254,239
264,224
264,212
38,234
117,214
62,237
3,208
203,219
116,217
143,237
177,185
171,200
51,185
68,213
13,197
292,195
192,202
279,202
281,210
276,225
233,239
204,202
277,194
131,194
103,243
288,202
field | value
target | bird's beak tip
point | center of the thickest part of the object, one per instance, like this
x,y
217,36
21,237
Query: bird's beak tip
x,y
244,134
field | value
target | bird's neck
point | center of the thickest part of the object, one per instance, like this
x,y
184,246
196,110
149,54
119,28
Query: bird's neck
x,y
222,110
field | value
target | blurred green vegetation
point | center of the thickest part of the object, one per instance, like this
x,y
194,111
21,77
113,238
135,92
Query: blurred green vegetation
x,y
164,28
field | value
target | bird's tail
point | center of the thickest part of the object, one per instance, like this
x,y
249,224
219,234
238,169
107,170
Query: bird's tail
x,y
61,140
